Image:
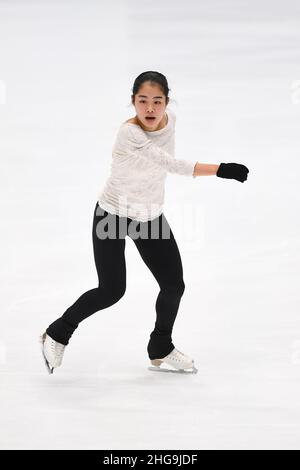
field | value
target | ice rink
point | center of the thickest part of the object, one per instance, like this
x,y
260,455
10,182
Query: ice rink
x,y
66,74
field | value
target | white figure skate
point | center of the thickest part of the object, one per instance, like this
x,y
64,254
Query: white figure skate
x,y
52,352
180,362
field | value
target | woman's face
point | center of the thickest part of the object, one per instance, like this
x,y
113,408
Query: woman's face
x,y
150,101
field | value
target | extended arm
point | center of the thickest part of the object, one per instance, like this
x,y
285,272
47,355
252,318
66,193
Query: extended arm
x,y
144,148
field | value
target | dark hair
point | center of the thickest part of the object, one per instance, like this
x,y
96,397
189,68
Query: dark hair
x,y
154,77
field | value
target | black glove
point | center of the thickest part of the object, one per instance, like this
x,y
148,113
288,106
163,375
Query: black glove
x,y
233,171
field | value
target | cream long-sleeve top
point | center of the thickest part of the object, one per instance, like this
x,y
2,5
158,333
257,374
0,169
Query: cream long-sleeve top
x,y
140,163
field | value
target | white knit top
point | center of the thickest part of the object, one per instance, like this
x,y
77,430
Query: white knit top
x,y
140,163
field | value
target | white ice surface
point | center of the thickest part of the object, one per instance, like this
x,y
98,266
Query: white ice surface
x,y
66,76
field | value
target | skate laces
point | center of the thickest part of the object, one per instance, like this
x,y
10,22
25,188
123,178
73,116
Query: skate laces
x,y
180,356
57,348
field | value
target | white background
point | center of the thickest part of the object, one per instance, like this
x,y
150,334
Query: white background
x,y
66,74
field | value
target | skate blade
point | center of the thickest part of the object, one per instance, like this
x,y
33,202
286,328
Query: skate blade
x,y
48,367
176,371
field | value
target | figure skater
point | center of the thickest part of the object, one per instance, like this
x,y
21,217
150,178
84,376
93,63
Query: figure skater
x,y
131,203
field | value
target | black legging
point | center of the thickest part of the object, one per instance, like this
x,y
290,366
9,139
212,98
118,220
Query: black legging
x,y
162,257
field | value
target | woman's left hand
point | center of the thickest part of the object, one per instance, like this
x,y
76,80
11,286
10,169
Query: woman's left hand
x,y
233,171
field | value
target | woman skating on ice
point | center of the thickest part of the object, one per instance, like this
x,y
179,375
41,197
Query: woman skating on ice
x,y
131,204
